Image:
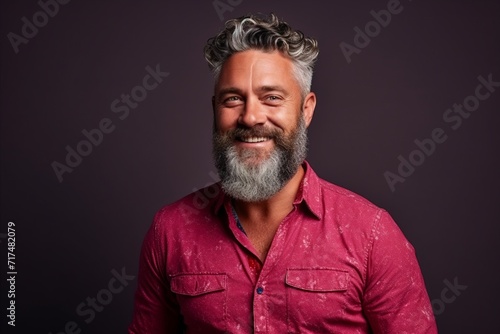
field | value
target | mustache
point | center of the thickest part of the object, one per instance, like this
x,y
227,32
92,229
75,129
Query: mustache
x,y
256,131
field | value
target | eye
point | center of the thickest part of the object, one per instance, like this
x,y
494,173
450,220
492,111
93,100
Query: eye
x,y
273,99
233,100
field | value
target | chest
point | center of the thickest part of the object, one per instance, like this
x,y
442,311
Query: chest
x,y
261,236
306,278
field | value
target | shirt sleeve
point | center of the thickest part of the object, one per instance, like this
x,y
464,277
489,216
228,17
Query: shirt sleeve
x,y
395,298
155,306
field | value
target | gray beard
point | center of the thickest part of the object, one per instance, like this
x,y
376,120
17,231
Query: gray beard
x,y
257,182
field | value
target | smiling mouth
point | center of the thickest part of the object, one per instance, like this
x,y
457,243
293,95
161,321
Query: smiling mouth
x,y
253,139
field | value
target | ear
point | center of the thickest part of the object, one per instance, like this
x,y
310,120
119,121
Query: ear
x,y
308,107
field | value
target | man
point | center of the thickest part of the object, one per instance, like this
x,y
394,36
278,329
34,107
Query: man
x,y
273,248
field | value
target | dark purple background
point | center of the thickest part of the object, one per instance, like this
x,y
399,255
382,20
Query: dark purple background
x,y
71,235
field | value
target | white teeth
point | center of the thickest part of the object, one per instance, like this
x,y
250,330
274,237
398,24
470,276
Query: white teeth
x,y
254,139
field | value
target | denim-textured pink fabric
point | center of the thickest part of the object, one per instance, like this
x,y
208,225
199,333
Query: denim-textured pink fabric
x,y
337,264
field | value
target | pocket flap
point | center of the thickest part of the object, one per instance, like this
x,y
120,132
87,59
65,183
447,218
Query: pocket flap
x,y
197,284
317,279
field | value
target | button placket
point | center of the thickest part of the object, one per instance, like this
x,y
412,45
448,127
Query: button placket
x,y
260,302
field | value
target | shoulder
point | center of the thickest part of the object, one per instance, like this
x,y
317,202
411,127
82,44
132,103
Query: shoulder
x,y
325,196
344,195
346,201
348,210
338,206
190,208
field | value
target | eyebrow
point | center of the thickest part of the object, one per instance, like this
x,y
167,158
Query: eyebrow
x,y
273,88
229,90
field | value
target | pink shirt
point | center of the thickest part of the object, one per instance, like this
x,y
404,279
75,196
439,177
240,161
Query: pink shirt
x,y
337,264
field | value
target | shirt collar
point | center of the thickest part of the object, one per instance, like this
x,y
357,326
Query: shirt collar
x,y
309,192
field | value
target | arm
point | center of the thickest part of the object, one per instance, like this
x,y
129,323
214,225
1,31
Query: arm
x,y
395,298
155,307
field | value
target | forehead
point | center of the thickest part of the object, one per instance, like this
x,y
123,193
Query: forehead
x,y
256,67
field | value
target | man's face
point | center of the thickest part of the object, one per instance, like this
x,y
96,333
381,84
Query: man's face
x,y
260,121
257,90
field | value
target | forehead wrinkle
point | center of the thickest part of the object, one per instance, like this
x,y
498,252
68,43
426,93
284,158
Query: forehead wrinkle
x,y
234,85
269,75
252,72
251,69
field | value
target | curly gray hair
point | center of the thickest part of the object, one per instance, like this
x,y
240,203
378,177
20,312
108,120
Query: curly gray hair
x,y
266,34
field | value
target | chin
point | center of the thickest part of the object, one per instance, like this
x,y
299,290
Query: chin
x,y
253,157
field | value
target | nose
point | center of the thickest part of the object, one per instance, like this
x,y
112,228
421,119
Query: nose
x,y
253,113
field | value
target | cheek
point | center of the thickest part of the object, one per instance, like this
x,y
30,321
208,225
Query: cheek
x,y
225,120
286,120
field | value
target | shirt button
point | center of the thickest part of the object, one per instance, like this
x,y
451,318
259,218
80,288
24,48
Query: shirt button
x,y
260,290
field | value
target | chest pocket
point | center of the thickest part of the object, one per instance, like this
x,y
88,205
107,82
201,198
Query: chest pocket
x,y
315,297
202,299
